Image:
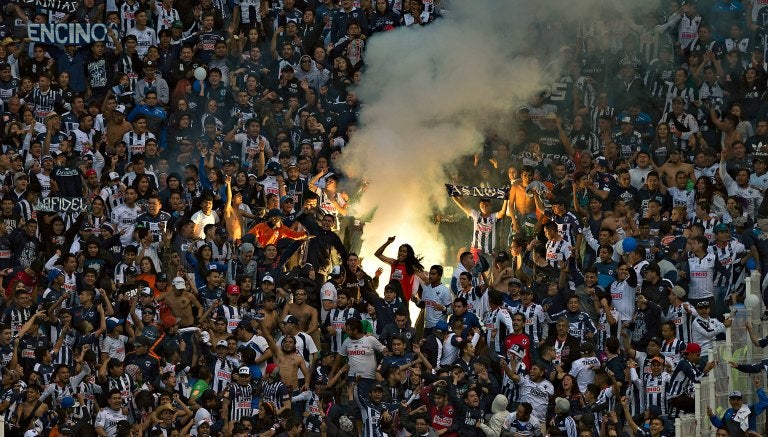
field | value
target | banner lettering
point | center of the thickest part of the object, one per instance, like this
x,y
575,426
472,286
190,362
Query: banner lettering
x,y
68,6
62,204
67,33
470,191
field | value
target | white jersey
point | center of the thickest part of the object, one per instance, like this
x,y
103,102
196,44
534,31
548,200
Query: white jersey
x,y
752,195
83,140
498,324
112,196
529,428
135,143
145,38
583,370
759,182
108,420
483,231
704,331
165,18
45,185
124,217
535,321
250,11
683,198
537,394
702,276
756,6
557,251
361,354
688,30
477,301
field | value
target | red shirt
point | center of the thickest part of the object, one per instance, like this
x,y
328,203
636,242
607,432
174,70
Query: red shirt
x,y
400,273
524,342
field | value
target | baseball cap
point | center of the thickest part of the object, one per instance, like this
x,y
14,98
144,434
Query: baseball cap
x,y
149,64
221,343
162,276
68,402
286,199
291,319
121,109
692,348
377,386
114,176
502,256
657,360
272,369
244,370
722,227
114,322
601,161
442,325
335,271
246,247
54,273
179,284
517,351
90,172
703,304
177,24
145,291
268,278
626,119
735,394
233,290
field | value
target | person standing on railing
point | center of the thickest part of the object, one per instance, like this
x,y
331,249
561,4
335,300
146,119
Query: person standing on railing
x,y
686,373
705,329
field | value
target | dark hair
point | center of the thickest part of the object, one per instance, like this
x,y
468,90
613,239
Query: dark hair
x,y
412,262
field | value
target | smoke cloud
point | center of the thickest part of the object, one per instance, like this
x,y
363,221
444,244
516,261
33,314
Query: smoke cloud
x,y
429,95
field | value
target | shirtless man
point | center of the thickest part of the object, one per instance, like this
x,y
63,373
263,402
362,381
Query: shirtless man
x,y
271,316
521,203
234,216
673,165
307,315
218,331
181,302
501,272
288,361
619,219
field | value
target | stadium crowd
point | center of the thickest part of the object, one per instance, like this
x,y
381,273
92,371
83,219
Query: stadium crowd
x,y
180,249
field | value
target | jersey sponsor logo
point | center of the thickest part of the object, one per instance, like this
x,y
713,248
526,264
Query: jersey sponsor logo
x,y
699,274
360,352
539,393
653,389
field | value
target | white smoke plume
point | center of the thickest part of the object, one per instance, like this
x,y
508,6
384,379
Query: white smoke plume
x,y
429,94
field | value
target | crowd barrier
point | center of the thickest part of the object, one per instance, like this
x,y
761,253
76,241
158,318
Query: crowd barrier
x,y
737,347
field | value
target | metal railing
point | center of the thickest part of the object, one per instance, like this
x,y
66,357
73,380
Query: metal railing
x,y
737,347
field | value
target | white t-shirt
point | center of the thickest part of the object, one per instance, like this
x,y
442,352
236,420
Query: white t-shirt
x,y
362,355
537,394
114,347
584,371
327,292
108,419
200,220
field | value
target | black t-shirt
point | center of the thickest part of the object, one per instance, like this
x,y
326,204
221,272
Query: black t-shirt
x,y
69,181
